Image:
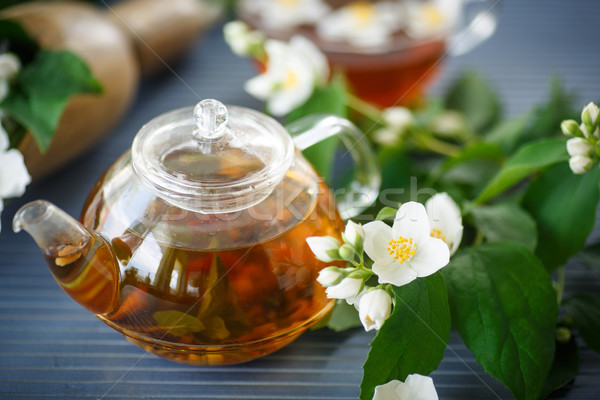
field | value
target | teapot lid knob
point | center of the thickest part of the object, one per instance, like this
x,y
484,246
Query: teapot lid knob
x,y
211,120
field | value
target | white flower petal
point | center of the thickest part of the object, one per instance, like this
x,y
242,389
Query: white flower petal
x,y
361,24
580,164
288,81
430,257
433,17
445,220
387,391
374,309
323,246
579,147
419,388
329,276
312,53
395,273
9,66
285,15
377,237
411,222
13,174
347,288
261,86
398,117
354,233
593,111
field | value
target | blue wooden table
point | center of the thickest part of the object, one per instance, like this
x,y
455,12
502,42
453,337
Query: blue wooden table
x,y
50,348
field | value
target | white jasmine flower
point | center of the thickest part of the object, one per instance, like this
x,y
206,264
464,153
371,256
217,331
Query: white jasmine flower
x,y
416,387
429,18
579,147
592,110
9,66
241,39
329,276
580,164
445,220
374,308
348,288
325,248
291,73
405,251
449,124
362,24
287,14
354,234
13,172
397,120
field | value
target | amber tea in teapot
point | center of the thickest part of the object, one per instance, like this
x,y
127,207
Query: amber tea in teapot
x,y
193,244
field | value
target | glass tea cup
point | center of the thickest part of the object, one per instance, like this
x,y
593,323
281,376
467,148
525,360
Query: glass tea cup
x,y
389,51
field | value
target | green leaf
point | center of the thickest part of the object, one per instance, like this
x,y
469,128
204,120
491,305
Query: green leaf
x,y
343,317
564,367
504,307
506,222
564,206
508,133
477,151
325,100
395,169
386,213
16,40
476,99
414,337
58,74
42,90
585,311
178,323
527,160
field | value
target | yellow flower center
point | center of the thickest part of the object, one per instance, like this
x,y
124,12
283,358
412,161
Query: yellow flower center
x,y
290,80
288,3
402,249
362,12
432,15
436,233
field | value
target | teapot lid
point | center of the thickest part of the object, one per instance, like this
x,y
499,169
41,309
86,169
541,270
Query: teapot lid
x,y
212,159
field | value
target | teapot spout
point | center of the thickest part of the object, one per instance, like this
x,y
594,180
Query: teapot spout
x,y
82,263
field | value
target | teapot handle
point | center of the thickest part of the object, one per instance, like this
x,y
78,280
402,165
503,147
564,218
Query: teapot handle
x,y
480,19
362,191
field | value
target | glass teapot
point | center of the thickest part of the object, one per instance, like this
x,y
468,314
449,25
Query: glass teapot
x,y
192,244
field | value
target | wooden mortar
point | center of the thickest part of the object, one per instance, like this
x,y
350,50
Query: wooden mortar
x,y
119,43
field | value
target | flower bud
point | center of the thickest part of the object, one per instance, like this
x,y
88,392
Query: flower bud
x,y
400,118
354,235
579,147
325,248
589,120
571,128
580,164
563,334
347,252
9,66
374,308
347,288
330,276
